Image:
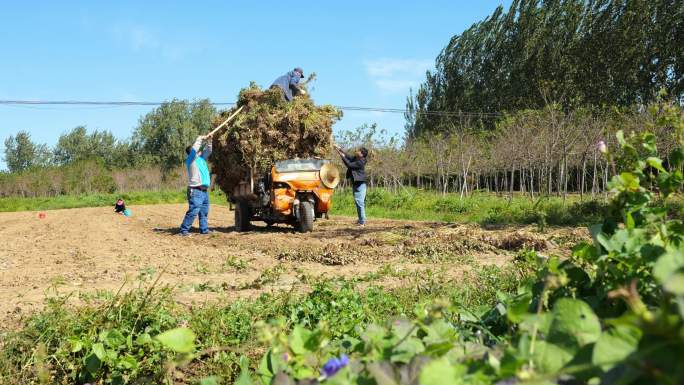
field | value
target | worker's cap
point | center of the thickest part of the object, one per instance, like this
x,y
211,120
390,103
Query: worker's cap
x,y
301,71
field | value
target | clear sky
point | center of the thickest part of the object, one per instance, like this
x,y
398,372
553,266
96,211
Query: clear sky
x,y
366,53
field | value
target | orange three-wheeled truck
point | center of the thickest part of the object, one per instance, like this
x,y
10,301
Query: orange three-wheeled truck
x,y
295,191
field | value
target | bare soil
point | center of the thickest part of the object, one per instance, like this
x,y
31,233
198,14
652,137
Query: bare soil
x,y
80,251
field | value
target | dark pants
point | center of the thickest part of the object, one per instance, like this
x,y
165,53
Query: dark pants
x,y
198,204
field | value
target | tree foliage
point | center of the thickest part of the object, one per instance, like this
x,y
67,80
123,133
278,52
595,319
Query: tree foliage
x,y
163,134
571,52
21,153
77,144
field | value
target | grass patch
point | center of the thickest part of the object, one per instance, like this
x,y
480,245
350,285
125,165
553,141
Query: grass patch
x,y
99,200
482,208
408,204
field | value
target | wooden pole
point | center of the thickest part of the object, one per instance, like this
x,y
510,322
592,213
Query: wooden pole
x,y
225,121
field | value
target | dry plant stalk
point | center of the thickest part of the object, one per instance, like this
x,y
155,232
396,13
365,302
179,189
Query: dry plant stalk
x,y
269,129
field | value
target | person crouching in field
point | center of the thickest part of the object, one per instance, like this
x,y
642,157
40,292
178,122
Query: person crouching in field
x,y
199,180
119,206
356,171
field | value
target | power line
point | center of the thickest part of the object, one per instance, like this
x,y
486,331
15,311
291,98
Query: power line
x,y
480,115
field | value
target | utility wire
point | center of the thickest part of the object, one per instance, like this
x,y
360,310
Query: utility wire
x,y
143,103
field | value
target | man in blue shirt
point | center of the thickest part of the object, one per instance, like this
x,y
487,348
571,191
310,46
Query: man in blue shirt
x,y
199,180
289,83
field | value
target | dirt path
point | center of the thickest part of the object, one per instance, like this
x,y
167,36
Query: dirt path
x,y
83,250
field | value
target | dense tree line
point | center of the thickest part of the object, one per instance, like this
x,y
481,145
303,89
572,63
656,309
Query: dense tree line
x,y
96,161
571,52
160,138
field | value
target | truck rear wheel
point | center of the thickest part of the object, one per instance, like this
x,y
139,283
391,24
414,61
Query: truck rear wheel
x,y
242,216
306,216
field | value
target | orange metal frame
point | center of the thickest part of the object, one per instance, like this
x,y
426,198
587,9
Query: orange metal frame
x,y
283,198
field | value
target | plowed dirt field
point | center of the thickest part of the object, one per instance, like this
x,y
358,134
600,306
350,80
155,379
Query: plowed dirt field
x,y
80,251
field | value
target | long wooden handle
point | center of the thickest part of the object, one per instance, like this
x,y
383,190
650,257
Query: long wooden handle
x,y
225,121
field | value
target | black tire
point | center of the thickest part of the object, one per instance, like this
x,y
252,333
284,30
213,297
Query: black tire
x,y
242,216
306,216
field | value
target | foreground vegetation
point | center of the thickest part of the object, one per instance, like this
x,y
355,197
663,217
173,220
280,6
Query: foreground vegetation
x,y
612,313
113,337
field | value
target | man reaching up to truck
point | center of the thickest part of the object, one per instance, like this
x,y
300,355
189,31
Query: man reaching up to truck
x,y
356,171
199,180
289,83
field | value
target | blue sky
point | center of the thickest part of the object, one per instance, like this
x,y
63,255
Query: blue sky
x,y
366,53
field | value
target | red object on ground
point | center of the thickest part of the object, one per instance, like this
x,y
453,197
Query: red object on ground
x,y
41,215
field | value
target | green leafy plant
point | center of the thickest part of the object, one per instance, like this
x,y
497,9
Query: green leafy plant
x,y
612,313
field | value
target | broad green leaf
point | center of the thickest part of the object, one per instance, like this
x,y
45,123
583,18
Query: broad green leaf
x,y
542,321
629,181
550,358
595,230
112,355
304,371
574,324
676,157
298,340
180,340
92,363
143,339
128,362
373,334
244,378
493,362
267,368
114,339
441,372
629,221
518,306
438,349
76,345
656,163
99,351
402,327
406,350
615,345
649,142
668,263
439,331
605,241
675,283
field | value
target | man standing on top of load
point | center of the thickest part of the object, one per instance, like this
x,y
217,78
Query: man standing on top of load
x,y
289,83
199,180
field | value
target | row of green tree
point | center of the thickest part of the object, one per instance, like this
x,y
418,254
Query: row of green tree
x,y
570,52
160,138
